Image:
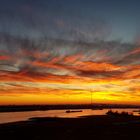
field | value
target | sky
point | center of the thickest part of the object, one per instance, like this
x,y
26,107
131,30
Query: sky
x,y
62,51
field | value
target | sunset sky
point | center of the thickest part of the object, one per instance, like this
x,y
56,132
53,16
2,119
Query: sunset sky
x,y
62,51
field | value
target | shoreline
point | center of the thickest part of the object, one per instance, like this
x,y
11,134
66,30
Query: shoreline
x,y
96,127
24,108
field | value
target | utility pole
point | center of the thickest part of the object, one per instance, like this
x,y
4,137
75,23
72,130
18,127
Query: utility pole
x,y
91,98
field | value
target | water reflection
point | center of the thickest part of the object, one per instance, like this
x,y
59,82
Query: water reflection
x,y
21,116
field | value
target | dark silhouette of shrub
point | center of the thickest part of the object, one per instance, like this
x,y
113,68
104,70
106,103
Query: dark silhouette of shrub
x,y
116,113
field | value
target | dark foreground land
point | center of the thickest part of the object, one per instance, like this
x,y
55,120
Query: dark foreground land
x,y
85,128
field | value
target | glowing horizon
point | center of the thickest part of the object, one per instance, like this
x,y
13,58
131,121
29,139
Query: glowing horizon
x,y
70,78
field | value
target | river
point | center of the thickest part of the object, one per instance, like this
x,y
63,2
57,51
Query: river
x,y
22,116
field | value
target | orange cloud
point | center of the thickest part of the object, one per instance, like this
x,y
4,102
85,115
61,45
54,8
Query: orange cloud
x,y
52,75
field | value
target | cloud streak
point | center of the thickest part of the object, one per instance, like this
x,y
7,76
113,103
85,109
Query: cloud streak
x,y
50,66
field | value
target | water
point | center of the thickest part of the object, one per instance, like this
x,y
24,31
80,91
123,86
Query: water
x,y
21,116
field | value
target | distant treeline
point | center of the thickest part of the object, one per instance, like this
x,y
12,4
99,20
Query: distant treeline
x,y
18,108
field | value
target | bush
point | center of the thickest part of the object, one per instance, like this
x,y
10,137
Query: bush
x,y
116,113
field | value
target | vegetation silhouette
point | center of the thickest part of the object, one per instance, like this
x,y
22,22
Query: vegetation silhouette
x,y
117,114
